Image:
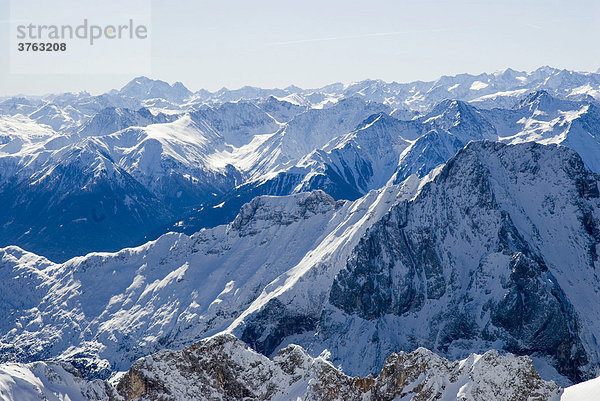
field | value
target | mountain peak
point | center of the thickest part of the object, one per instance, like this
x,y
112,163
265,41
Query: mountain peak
x,y
538,99
143,88
452,108
450,104
487,148
264,211
460,119
378,132
547,69
293,89
139,82
381,116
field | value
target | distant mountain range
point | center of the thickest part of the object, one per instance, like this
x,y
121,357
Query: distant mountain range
x,y
153,157
354,221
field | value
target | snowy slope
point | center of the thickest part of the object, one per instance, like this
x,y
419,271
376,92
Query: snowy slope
x,y
308,131
586,391
367,156
281,110
349,165
274,164
445,129
238,122
46,381
537,117
20,134
113,119
545,119
65,119
166,293
74,200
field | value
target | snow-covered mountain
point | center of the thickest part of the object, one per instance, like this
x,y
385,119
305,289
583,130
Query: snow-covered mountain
x,y
173,291
112,119
124,163
545,119
487,90
143,88
356,221
497,249
200,161
64,119
48,381
224,368
382,148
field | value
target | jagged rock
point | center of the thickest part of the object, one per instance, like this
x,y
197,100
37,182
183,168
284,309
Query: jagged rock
x,y
224,368
263,212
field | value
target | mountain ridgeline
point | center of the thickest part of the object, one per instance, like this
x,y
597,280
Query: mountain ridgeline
x,y
156,157
339,232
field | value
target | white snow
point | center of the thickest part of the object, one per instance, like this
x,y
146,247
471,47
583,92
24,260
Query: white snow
x,y
586,391
180,288
46,382
478,85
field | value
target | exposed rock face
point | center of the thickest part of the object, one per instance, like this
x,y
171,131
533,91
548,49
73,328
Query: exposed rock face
x,y
498,251
262,213
408,261
223,368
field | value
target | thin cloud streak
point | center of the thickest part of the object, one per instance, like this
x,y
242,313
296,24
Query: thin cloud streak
x,y
368,35
534,26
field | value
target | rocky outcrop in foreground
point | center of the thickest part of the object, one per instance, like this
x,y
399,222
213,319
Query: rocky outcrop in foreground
x,y
224,368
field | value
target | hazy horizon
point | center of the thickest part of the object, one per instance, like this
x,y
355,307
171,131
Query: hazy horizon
x,y
192,89
271,45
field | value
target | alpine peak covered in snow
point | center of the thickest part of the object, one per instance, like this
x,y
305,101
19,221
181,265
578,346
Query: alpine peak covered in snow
x,y
505,248
488,254
182,154
143,88
158,231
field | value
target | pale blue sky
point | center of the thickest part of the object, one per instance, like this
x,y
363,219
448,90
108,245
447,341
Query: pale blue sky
x,y
311,43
